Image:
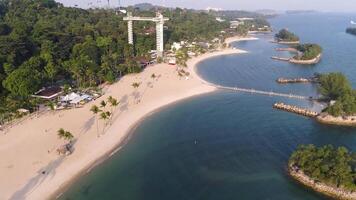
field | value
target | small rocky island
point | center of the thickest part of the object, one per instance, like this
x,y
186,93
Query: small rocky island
x,y
337,91
351,30
328,170
286,37
307,54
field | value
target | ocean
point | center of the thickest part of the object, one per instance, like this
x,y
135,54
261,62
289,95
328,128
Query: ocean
x,y
230,145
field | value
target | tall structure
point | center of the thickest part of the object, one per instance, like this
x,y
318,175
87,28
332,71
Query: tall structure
x,y
159,20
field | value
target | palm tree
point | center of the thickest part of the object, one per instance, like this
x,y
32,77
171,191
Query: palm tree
x,y
61,133
66,135
51,105
102,104
105,116
136,85
95,109
113,103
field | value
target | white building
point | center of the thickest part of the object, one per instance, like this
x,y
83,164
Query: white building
x,y
176,46
219,19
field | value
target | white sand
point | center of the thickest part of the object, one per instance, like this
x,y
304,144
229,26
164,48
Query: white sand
x,y
29,148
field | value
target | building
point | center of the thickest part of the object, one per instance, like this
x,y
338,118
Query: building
x,y
219,19
48,93
176,46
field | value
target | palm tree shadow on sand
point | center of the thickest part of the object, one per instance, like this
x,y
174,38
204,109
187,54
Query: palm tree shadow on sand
x,y
47,172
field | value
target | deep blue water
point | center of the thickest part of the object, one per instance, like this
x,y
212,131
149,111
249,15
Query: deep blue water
x,y
228,145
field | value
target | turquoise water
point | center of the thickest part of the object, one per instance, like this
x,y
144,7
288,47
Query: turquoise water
x,y
228,145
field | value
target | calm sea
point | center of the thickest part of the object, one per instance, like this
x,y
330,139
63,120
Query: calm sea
x,y
228,145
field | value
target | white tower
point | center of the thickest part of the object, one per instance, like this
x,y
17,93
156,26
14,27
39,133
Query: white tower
x,y
159,20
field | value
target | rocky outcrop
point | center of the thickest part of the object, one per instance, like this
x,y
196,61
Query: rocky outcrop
x,y
341,121
339,193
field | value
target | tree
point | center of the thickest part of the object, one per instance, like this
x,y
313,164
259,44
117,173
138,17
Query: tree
x,y
332,166
23,82
66,135
334,85
105,116
286,36
113,103
136,85
103,104
95,110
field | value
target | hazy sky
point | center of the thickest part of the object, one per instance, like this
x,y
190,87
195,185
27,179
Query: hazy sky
x,y
321,5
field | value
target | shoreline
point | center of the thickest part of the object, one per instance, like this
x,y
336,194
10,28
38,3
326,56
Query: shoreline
x,y
325,118
313,61
192,64
61,172
320,187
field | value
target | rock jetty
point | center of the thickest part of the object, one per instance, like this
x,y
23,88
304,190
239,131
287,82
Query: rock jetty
x,y
295,109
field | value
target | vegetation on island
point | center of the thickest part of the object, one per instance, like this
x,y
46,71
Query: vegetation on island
x,y
308,51
336,88
286,36
329,165
351,30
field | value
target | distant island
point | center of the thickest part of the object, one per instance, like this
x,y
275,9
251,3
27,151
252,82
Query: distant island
x,y
337,91
351,30
326,169
300,11
286,37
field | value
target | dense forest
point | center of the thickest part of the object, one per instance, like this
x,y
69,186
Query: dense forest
x,y
327,164
44,43
351,30
308,51
335,86
286,36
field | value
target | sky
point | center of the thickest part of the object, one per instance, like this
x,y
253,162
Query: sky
x,y
319,5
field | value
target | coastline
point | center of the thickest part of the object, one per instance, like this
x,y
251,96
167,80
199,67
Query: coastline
x,y
21,169
325,118
322,188
306,62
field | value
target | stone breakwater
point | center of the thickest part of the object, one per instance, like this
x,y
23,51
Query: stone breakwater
x,y
320,187
295,109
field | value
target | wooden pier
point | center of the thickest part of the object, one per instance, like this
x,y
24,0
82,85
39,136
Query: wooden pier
x,y
295,109
253,91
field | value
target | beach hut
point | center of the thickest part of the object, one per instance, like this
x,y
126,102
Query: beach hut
x,y
48,93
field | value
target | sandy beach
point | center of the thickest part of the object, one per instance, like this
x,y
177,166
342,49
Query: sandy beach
x,y
30,167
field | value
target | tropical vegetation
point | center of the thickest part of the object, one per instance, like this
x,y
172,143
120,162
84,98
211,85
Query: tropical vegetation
x,y
43,43
336,87
308,51
286,36
329,165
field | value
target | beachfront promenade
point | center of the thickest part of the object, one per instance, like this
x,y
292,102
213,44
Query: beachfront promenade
x,y
253,91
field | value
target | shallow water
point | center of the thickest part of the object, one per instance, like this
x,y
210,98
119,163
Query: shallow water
x,y
229,145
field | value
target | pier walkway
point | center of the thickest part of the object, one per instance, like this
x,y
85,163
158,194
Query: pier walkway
x,y
253,91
